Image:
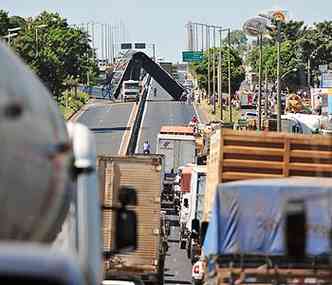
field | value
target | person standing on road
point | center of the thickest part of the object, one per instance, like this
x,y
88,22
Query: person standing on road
x,y
155,92
146,148
137,99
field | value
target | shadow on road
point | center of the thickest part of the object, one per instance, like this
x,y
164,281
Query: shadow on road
x,y
109,130
176,282
160,100
173,240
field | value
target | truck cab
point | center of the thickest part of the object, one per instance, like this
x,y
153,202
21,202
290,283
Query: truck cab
x,y
130,90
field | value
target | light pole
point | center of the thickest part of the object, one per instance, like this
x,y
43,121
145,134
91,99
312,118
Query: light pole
x,y
257,26
229,74
260,40
36,34
220,76
214,71
209,67
278,79
288,72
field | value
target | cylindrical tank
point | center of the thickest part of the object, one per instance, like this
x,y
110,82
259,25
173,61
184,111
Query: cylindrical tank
x,y
35,156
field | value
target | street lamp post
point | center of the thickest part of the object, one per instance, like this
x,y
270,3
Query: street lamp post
x,y
209,67
257,26
214,71
278,80
229,74
220,76
260,40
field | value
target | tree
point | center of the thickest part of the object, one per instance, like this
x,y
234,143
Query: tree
x,y
59,52
4,23
238,40
237,72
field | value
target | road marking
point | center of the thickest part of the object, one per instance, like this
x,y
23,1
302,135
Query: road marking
x,y
126,135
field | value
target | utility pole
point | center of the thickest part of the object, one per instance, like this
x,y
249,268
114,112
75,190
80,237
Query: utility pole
x,y
309,71
196,33
220,75
229,74
202,26
102,42
266,96
214,71
93,40
154,52
209,67
259,117
278,80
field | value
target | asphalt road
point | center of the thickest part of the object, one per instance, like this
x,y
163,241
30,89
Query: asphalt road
x,y
161,111
108,122
177,265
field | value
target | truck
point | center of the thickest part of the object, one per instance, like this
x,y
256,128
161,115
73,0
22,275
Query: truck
x,y
192,207
144,173
244,155
270,231
50,227
178,145
130,90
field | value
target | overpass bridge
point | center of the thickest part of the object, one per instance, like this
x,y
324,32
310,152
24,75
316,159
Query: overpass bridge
x,y
130,68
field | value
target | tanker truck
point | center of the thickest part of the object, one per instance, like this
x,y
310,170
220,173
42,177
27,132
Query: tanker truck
x,y
50,212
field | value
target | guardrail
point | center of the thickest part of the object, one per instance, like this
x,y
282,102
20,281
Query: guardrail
x,y
134,134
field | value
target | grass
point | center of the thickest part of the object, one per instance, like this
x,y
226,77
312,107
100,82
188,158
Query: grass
x,y
216,117
69,103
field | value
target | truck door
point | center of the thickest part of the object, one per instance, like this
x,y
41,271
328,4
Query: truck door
x,y
166,147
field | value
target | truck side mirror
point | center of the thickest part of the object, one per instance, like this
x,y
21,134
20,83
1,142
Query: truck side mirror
x,y
204,227
126,230
295,229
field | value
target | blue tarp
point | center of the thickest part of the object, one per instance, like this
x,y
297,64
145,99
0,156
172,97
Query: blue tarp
x,y
248,217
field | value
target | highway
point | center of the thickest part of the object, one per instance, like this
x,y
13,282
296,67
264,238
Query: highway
x,y
161,111
108,121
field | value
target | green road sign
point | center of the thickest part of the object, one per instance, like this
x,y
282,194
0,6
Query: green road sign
x,y
192,56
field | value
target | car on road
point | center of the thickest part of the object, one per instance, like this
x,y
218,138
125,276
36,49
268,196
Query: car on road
x,y
197,272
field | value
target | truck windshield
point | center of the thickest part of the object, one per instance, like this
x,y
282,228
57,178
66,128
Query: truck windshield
x,y
134,85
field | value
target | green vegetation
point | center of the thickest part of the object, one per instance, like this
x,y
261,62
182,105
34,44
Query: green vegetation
x,y
71,103
60,54
200,70
299,44
236,114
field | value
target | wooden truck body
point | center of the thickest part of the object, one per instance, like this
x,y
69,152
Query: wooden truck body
x,y
144,174
248,155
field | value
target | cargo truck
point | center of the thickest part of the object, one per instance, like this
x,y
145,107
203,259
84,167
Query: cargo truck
x,y
270,231
244,155
192,207
144,174
178,144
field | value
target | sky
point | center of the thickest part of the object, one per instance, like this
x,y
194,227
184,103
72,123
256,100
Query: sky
x,y
163,22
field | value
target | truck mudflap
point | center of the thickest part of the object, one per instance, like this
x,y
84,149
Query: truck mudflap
x,y
265,275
